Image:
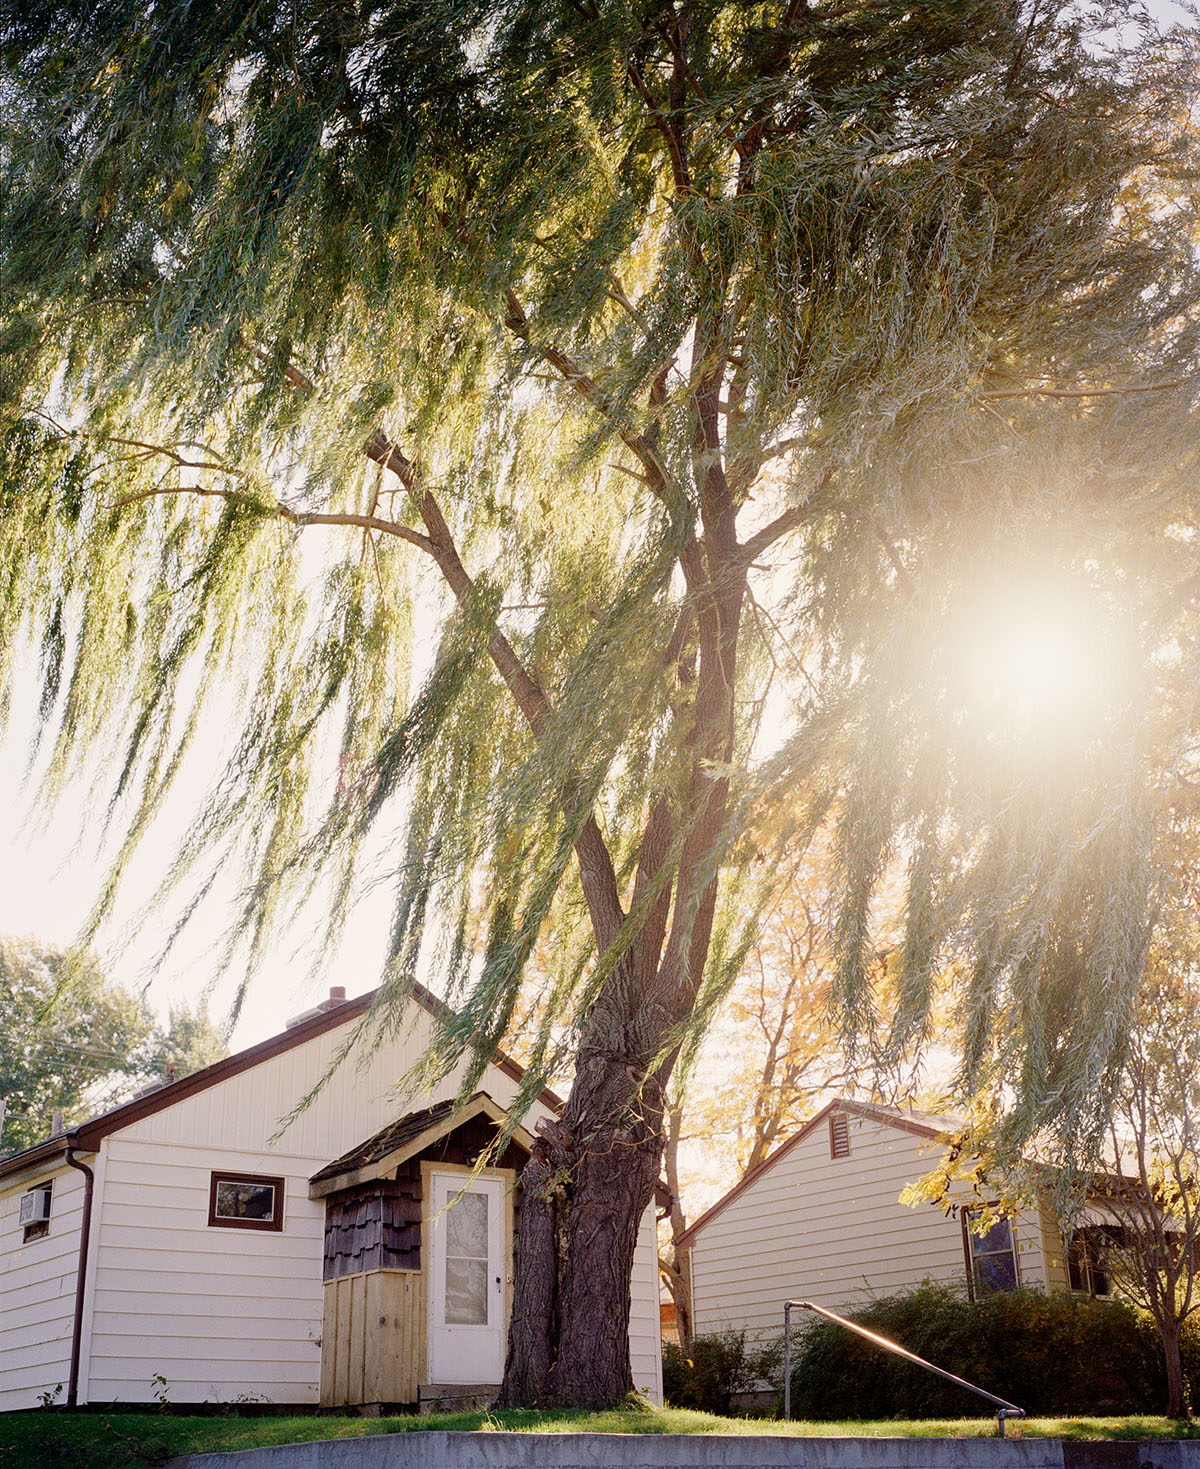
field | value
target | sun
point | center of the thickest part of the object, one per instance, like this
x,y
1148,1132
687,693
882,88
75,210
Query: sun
x,y
1042,658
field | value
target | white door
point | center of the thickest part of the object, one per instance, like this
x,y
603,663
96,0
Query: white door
x,y
466,1279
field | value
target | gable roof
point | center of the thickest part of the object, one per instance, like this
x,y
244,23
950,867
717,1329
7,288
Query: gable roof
x,y
919,1124
405,1137
86,1137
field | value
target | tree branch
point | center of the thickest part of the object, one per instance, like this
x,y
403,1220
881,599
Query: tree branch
x,y
777,53
597,874
1036,392
655,476
295,517
791,519
284,512
679,167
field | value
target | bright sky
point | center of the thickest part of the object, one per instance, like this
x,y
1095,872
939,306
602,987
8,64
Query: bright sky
x,y
1034,651
51,870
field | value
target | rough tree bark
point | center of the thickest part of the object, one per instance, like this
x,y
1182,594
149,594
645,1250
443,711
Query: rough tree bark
x,y
1177,1405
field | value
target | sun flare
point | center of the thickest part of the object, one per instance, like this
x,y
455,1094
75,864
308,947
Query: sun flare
x,y
1042,660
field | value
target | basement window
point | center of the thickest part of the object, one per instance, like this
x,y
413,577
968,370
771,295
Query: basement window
x,y
35,1211
245,1201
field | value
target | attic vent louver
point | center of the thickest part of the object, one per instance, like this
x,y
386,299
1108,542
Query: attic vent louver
x,y
839,1135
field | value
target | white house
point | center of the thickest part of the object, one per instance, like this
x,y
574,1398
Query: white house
x,y
820,1220
193,1244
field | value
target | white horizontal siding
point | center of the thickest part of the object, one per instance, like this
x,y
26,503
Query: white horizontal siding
x,y
122,1290
217,1312
224,1312
645,1339
1054,1254
203,1312
232,1381
37,1294
832,1230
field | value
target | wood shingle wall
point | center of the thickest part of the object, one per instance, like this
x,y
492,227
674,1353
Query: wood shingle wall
x,y
375,1226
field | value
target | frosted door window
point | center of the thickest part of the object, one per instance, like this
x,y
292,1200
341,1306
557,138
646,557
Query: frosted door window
x,y
467,1261
467,1242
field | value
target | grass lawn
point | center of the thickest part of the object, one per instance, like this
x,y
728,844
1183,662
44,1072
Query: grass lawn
x,y
116,1440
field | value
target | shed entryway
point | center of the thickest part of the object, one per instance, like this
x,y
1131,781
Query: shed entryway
x,y
418,1259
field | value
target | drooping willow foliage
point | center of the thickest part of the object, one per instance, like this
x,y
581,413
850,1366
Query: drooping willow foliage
x,y
285,286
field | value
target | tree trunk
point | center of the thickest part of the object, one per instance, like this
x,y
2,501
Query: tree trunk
x,y
1177,1404
591,1175
584,1191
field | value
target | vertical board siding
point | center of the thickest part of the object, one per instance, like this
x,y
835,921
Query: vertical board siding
x,y
356,1336
37,1293
373,1333
832,1230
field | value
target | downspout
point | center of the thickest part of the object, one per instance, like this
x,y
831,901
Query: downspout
x,y
85,1232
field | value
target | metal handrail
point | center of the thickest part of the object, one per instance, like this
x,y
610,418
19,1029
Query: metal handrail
x,y
1007,1410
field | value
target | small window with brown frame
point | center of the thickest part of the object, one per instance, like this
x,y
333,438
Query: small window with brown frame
x,y
245,1201
839,1135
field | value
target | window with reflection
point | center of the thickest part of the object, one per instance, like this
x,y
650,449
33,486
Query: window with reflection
x,y
991,1252
245,1201
1087,1258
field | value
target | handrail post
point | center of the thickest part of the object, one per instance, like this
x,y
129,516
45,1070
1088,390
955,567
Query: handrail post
x,y
787,1362
1004,1415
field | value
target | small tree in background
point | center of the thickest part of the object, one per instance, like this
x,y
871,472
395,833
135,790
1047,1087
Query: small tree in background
x,y
190,1040
775,1052
772,1055
73,1041
68,1034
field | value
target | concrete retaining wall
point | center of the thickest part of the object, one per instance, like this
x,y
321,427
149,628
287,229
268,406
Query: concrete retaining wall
x,y
678,1451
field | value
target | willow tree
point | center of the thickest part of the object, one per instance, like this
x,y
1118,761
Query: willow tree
x,y
657,366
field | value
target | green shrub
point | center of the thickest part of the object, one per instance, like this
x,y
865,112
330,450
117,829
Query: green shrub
x,y
1051,1354
718,1368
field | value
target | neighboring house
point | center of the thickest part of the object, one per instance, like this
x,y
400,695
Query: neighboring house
x,y
194,1245
820,1220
